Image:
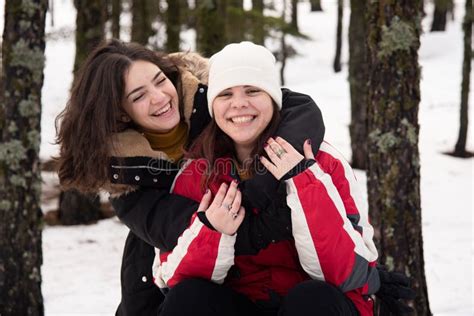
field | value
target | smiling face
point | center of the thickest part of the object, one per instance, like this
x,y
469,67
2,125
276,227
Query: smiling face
x,y
243,113
150,98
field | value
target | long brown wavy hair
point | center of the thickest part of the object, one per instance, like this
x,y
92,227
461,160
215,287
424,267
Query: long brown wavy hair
x,y
94,112
214,144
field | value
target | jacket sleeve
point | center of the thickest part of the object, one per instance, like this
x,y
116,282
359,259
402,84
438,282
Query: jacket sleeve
x,y
156,216
332,233
200,252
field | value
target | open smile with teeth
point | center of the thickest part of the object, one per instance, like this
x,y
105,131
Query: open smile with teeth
x,y
163,110
242,119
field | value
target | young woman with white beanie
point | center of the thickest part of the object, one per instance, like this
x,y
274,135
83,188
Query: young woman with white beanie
x,y
328,268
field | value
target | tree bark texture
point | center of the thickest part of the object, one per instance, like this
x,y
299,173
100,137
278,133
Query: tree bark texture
x,y
20,179
90,27
316,5
337,58
394,165
143,13
173,26
116,12
211,36
439,15
358,79
460,148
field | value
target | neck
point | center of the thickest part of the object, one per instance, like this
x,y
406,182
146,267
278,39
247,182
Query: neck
x,y
243,153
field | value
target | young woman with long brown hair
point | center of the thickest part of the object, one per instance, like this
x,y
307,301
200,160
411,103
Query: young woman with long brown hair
x,y
131,115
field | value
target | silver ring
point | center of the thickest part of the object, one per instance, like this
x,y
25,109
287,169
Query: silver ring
x,y
227,207
234,216
280,152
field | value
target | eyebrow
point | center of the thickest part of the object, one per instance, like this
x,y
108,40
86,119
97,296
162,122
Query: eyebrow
x,y
141,87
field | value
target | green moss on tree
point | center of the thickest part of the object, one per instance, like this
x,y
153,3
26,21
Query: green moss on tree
x,y
398,36
32,59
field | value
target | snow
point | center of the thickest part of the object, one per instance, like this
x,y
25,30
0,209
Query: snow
x,y
81,270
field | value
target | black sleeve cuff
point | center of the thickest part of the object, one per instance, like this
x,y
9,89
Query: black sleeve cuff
x,y
203,218
301,167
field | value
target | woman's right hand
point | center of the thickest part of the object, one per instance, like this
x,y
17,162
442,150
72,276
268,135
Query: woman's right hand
x,y
225,212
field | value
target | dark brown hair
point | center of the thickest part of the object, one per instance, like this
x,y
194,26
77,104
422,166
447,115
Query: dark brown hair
x,y
94,112
213,144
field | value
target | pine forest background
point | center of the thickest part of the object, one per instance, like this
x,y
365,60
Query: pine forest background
x,y
391,77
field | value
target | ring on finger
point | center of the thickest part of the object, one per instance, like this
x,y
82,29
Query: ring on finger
x,y
280,152
226,206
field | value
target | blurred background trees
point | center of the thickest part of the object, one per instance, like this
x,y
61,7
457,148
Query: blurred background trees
x,y
383,76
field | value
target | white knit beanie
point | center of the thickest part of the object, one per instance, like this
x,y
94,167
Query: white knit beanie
x,y
242,64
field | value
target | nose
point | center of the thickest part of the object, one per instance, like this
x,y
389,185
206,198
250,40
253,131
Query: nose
x,y
239,100
156,95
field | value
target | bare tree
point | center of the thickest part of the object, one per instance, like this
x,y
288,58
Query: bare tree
x,y
116,11
90,27
460,148
143,14
294,14
211,16
337,57
358,78
173,25
258,21
316,5
442,7
394,165
20,179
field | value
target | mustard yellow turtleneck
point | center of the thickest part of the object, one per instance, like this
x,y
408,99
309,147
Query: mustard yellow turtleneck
x,y
244,173
171,143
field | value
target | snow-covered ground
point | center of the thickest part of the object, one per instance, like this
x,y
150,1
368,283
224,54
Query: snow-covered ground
x,y
81,270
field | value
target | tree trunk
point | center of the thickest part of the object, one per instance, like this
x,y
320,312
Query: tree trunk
x,y
394,165
20,179
90,31
460,148
316,5
90,27
294,15
235,28
142,19
284,48
337,58
173,26
116,12
51,12
258,21
211,23
358,78
439,15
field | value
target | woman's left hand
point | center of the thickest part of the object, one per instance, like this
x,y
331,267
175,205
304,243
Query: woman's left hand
x,y
283,156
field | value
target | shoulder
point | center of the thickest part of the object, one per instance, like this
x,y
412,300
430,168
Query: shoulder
x,y
330,159
291,98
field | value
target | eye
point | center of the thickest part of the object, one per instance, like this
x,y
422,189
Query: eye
x,y
160,81
253,90
138,98
224,94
